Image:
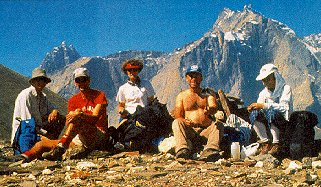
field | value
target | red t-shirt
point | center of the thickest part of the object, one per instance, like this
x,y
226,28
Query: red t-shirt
x,y
87,101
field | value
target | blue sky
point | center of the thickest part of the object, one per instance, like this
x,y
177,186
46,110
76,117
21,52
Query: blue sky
x,y
29,28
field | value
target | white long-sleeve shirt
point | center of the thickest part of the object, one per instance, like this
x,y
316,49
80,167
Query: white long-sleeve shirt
x,y
30,104
280,99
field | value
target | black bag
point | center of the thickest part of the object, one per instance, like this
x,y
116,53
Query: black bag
x,y
144,126
301,134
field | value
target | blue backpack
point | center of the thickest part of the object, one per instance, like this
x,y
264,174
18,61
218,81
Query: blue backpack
x,y
26,136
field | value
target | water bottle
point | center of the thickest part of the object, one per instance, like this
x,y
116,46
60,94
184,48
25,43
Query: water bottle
x,y
235,151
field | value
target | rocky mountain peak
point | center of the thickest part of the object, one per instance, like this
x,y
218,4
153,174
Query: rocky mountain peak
x,y
59,57
313,43
230,54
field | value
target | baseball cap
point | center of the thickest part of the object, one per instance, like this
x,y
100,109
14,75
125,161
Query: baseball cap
x,y
193,68
81,72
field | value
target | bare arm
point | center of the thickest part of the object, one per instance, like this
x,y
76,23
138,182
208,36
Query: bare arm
x,y
255,106
121,110
179,111
211,107
78,114
53,115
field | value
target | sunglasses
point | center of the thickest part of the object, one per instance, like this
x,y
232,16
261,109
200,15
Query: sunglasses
x,y
81,79
133,70
38,79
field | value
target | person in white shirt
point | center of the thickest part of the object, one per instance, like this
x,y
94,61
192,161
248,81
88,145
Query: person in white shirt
x,y
32,102
135,91
272,108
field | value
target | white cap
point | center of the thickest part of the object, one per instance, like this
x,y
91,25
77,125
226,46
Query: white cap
x,y
266,70
81,72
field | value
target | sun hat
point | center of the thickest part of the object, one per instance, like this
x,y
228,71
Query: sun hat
x,y
193,68
81,72
132,64
266,70
37,73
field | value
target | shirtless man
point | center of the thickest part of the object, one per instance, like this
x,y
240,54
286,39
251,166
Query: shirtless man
x,y
192,126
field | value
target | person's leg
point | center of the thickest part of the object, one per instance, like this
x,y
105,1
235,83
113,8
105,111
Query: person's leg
x,y
64,142
100,141
278,124
214,134
183,135
71,131
275,134
55,128
87,134
40,147
261,132
93,138
259,123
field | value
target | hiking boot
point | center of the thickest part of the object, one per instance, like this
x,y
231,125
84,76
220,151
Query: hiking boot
x,y
210,155
265,147
83,153
20,157
274,149
55,154
183,153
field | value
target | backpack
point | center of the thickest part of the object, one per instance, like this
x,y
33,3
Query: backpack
x,y
146,125
300,134
26,136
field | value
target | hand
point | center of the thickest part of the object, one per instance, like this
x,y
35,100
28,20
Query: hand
x,y
53,116
73,115
255,106
206,111
189,122
123,114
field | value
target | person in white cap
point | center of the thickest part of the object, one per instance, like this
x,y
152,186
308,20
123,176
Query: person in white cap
x,y
87,118
33,102
273,106
193,126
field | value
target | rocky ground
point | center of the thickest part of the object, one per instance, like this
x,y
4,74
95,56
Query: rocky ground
x,y
135,169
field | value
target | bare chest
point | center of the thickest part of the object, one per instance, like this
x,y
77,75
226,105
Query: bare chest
x,y
195,102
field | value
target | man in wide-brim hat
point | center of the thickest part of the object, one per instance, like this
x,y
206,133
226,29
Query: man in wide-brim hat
x,y
33,103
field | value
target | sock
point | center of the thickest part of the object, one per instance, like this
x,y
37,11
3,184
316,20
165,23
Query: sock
x,y
64,141
26,154
275,134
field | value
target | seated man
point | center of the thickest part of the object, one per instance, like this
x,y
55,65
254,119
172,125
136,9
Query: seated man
x,y
272,109
32,102
193,125
87,117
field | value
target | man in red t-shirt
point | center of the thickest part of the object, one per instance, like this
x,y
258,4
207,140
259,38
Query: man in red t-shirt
x,y
87,117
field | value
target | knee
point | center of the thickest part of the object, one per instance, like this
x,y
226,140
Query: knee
x,y
219,126
258,115
177,124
